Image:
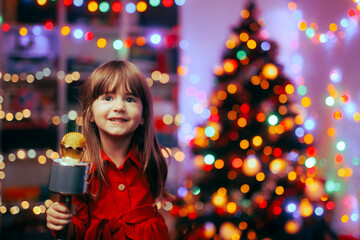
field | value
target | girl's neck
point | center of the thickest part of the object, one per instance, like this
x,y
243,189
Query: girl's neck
x,y
116,149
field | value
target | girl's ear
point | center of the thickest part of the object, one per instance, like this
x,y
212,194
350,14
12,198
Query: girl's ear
x,y
92,119
142,121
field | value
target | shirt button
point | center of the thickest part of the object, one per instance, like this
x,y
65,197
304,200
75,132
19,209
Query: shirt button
x,y
121,187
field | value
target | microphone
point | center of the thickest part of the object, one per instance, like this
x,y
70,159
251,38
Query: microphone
x,y
68,174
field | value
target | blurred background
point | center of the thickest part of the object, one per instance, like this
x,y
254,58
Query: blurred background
x,y
183,47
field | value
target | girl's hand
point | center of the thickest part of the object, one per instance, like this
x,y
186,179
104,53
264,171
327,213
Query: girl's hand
x,y
57,216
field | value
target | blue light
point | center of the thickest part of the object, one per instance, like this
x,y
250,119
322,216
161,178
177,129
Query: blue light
x,y
205,114
291,207
184,44
210,131
265,46
36,30
297,59
309,124
298,14
350,108
335,76
78,3
344,22
78,33
179,2
130,7
354,217
155,38
293,156
319,211
194,78
323,38
299,132
182,191
209,159
118,44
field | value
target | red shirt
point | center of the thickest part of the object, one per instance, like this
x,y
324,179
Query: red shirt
x,y
123,210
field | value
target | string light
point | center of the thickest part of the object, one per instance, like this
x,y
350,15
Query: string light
x,y
310,29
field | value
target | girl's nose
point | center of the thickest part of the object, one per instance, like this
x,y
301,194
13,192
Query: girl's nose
x,y
119,105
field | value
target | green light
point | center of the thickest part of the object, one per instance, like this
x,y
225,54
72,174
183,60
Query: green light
x,y
241,55
355,161
310,32
273,120
195,190
246,203
210,131
1,19
330,186
323,162
154,3
302,90
104,7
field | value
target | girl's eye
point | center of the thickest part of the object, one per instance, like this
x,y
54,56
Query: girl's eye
x,y
107,98
130,99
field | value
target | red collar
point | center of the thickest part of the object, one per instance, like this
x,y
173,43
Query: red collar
x,y
131,155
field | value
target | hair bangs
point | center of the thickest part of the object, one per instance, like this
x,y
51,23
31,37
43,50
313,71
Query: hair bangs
x,y
118,80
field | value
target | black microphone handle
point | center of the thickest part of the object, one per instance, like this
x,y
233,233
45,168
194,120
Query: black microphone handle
x,y
64,233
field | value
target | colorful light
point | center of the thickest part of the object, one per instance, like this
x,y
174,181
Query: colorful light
x,y
167,3
154,3
116,7
78,33
337,115
251,166
130,7
65,30
104,7
155,38
270,71
89,36
273,120
93,6
118,44
78,3
101,42
340,146
49,25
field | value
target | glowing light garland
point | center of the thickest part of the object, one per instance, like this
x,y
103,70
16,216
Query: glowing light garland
x,y
310,30
170,40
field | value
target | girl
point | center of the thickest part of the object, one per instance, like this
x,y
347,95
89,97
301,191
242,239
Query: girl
x,y
127,169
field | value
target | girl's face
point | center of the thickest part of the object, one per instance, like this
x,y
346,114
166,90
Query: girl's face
x,y
117,115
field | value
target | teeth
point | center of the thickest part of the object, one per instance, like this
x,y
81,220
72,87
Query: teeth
x,y
117,120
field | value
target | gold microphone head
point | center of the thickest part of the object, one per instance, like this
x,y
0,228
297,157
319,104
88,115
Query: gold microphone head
x,y
72,147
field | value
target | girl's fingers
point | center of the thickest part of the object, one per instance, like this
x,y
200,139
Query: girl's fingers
x,y
58,220
57,216
59,207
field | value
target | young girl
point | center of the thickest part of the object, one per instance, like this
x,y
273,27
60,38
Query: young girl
x,y
127,169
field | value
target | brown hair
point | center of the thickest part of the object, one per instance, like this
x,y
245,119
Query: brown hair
x,y
110,77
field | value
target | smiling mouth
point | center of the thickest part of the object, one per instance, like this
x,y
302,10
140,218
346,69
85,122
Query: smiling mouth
x,y
118,120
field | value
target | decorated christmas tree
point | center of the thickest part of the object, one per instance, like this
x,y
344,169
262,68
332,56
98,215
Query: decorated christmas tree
x,y
256,176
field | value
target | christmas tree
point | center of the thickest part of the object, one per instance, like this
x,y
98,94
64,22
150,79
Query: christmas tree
x,y
256,176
